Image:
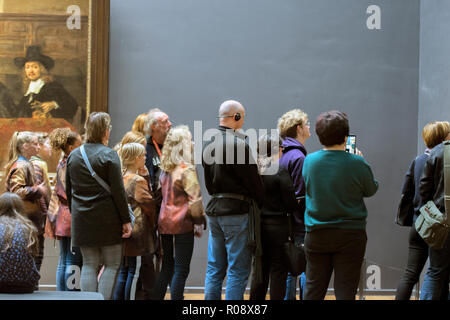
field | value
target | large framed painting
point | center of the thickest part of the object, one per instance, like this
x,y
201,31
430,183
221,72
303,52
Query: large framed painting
x,y
53,65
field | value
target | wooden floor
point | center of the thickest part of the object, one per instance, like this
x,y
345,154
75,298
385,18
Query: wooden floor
x,y
200,296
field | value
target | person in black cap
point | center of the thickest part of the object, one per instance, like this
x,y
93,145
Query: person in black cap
x,y
43,97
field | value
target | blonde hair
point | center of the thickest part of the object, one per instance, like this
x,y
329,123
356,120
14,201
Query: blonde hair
x,y
177,148
287,124
435,132
12,212
96,126
130,136
18,139
129,153
139,123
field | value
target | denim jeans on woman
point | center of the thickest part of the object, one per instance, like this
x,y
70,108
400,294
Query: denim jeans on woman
x,y
125,288
110,256
227,247
435,282
174,270
69,266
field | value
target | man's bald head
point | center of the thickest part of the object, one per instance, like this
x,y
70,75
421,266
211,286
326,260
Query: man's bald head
x,y
228,110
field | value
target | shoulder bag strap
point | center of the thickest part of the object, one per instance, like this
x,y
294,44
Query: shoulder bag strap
x,y
447,180
93,174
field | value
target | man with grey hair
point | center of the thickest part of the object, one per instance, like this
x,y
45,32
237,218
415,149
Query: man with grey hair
x,y
236,189
157,127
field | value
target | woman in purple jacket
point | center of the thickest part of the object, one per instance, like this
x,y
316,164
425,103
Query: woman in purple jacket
x,y
293,127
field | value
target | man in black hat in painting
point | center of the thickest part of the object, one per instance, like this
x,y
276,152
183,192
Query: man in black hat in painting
x,y
43,97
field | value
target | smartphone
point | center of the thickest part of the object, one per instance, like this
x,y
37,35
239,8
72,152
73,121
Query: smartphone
x,y
350,145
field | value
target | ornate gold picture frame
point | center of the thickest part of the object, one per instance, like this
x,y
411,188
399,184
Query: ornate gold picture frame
x,y
70,40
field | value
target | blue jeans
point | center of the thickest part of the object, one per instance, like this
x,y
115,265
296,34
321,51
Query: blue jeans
x,y
174,270
127,277
435,282
68,272
227,247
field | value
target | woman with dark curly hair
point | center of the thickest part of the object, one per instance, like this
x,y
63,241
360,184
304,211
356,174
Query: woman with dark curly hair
x,y
59,220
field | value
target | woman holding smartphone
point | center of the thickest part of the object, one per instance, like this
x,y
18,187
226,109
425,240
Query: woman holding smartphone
x,y
336,183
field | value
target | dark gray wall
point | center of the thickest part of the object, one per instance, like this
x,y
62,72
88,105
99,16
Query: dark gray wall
x,y
434,93
188,56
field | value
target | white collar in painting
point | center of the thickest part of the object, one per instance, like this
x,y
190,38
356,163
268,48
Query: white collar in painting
x,y
35,86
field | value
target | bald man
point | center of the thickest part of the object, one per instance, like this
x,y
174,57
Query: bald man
x,y
234,188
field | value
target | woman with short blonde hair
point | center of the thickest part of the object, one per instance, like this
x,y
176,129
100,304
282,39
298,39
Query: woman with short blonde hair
x,y
293,127
133,137
131,151
289,121
143,237
433,134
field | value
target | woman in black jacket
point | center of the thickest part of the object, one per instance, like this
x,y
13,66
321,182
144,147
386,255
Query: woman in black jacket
x,y
279,199
433,134
99,219
432,188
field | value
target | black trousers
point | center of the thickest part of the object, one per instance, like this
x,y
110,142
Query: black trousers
x,y
341,250
417,257
147,276
273,236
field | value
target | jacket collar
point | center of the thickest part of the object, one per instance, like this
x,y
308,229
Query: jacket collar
x,y
237,133
290,143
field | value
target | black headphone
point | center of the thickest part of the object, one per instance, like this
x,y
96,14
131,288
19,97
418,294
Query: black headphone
x,y
236,116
